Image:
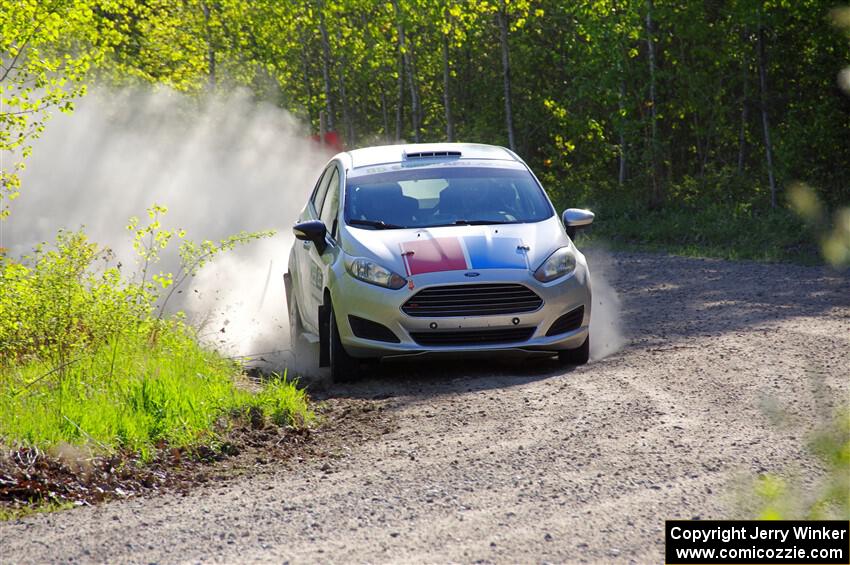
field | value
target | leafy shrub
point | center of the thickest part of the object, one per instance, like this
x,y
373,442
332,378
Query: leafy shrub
x,y
88,356
780,499
706,228
58,302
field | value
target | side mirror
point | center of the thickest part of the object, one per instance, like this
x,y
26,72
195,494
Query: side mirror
x,y
575,219
314,231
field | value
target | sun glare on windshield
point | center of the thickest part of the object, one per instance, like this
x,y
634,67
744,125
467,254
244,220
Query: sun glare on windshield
x,y
445,196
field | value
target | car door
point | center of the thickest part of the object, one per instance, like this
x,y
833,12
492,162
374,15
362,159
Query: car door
x,y
319,264
302,288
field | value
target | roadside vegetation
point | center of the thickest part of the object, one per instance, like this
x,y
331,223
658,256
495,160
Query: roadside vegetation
x,y
735,232
91,357
786,498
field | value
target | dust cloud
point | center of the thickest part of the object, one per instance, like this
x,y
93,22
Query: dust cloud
x,y
606,334
221,166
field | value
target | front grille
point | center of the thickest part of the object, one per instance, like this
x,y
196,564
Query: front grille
x,y
367,329
472,300
567,323
473,337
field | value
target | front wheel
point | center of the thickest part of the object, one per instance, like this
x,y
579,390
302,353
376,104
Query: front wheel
x,y
344,367
577,356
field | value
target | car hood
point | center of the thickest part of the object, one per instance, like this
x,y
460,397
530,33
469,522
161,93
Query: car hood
x,y
424,250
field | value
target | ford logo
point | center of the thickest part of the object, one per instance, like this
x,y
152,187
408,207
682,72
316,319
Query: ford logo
x,y
471,274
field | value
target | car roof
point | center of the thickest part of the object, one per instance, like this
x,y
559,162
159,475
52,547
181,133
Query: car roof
x,y
385,154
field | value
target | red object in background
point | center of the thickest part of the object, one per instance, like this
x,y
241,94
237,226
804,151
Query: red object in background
x,y
332,141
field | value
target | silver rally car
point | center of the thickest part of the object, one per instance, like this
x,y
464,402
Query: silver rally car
x,y
435,249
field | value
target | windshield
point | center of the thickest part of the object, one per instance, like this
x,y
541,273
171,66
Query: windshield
x,y
444,196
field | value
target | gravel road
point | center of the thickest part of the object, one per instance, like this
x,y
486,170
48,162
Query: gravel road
x,y
526,461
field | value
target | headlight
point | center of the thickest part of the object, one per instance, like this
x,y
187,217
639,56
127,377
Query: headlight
x,y
370,272
560,263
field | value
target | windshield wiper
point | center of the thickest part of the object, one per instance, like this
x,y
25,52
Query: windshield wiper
x,y
472,223
479,222
377,224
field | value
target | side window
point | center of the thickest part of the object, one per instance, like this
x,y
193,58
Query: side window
x,y
322,188
330,207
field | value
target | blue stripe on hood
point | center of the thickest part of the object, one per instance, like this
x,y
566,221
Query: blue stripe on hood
x,y
495,252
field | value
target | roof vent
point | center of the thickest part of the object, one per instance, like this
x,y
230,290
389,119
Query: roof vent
x,y
431,154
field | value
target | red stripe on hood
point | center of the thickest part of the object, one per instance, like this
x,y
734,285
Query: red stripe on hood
x,y
433,255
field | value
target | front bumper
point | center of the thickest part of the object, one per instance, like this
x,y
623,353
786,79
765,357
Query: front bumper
x,y
353,297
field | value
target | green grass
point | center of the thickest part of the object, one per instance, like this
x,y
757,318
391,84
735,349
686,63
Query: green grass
x,y
712,230
8,514
85,360
135,394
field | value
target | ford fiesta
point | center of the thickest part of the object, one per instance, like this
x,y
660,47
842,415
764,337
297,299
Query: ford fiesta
x,y
435,249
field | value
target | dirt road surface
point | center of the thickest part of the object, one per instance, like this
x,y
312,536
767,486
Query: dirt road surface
x,y
526,461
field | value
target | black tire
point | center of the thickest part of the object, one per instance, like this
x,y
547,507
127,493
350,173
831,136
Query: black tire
x,y
344,367
577,356
298,346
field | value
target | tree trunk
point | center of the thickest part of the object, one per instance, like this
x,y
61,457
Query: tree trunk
x,y
502,17
308,87
346,113
326,69
621,178
399,111
447,101
742,132
463,86
656,196
768,147
413,81
210,46
385,115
